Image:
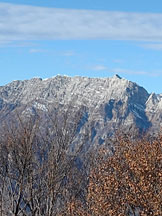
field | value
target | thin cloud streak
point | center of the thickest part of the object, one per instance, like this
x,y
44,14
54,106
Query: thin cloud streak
x,y
118,61
16,44
99,68
37,51
68,53
136,72
152,46
19,22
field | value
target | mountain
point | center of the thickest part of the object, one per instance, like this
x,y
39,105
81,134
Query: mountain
x,y
108,104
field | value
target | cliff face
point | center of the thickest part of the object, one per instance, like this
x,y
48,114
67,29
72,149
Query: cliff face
x,y
109,103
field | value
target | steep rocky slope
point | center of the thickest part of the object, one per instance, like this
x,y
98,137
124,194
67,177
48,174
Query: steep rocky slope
x,y
109,103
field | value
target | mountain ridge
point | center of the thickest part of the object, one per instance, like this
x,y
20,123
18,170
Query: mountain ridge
x,y
110,103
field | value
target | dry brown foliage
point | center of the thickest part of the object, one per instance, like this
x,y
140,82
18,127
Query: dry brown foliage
x,y
126,183
129,182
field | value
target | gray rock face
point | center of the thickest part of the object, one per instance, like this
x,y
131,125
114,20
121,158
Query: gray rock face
x,y
110,103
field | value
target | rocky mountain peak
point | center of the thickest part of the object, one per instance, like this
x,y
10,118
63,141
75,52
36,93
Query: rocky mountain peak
x,y
110,102
116,76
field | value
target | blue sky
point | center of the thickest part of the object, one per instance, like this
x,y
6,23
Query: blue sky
x,y
96,38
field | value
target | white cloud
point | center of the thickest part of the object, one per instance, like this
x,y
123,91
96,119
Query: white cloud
x,y
19,22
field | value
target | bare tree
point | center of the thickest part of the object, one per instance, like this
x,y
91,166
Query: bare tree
x,y
61,154
36,163
17,150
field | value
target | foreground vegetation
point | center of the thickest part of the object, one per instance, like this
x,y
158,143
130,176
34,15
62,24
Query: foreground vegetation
x,y
129,182
39,173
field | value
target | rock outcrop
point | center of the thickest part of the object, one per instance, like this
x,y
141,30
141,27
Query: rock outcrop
x,y
109,103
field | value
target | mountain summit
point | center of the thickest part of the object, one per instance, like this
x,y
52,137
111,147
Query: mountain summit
x,y
109,103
